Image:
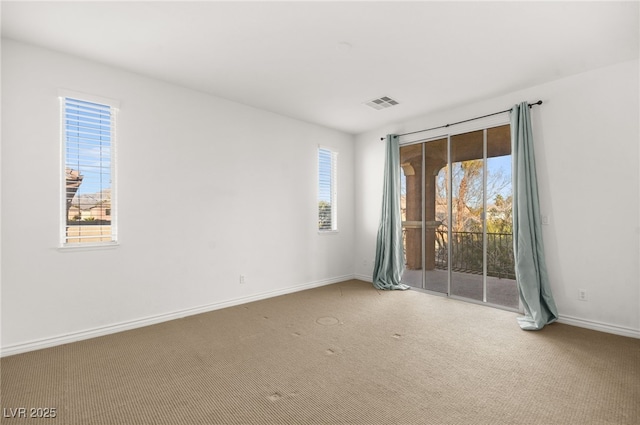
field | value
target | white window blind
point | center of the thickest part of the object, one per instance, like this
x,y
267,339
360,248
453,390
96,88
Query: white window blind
x,y
88,137
327,193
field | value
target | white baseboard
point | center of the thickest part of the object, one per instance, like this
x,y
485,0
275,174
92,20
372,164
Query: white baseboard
x,y
152,320
364,277
599,326
568,320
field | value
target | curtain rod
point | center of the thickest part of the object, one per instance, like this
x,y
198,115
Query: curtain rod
x,y
460,122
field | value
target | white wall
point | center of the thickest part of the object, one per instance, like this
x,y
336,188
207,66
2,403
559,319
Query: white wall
x,y
234,192
586,144
208,190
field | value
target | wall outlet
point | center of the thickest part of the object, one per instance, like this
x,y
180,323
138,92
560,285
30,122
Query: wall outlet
x,y
582,294
243,279
544,219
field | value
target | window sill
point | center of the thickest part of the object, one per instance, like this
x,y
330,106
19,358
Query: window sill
x,y
327,232
88,247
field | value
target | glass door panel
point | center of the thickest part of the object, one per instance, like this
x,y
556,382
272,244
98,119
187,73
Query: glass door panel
x,y
467,211
501,280
435,212
411,160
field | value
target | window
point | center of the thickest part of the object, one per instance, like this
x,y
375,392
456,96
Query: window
x,y
327,195
88,171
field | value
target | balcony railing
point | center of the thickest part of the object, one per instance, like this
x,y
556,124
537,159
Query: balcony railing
x,y
466,253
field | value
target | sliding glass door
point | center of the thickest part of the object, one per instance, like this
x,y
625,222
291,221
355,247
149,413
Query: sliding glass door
x,y
456,209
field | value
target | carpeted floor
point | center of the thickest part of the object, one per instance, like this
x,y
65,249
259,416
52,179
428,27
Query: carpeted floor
x,y
343,353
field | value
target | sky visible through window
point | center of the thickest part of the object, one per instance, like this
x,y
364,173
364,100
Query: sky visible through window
x,y
88,144
501,164
324,164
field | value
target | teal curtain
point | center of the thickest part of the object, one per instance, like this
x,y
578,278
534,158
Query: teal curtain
x,y
531,270
389,264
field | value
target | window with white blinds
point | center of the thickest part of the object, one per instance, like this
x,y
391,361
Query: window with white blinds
x,y
327,194
88,172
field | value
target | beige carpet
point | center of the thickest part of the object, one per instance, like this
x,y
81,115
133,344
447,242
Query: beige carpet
x,y
344,353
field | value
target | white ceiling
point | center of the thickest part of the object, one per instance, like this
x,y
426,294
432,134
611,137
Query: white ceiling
x,y
291,57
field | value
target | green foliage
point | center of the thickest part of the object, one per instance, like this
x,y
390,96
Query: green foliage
x,y
499,215
324,215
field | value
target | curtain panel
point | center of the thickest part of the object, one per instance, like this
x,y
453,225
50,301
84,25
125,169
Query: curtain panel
x,y
389,263
530,266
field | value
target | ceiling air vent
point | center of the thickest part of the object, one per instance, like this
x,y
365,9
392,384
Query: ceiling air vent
x,y
381,103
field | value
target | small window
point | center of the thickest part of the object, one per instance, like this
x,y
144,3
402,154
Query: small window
x,y
88,172
327,194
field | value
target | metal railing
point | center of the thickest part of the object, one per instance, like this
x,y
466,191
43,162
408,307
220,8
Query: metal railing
x,y
466,253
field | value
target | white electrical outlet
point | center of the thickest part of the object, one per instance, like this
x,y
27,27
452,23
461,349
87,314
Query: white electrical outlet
x,y
582,294
242,279
544,219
